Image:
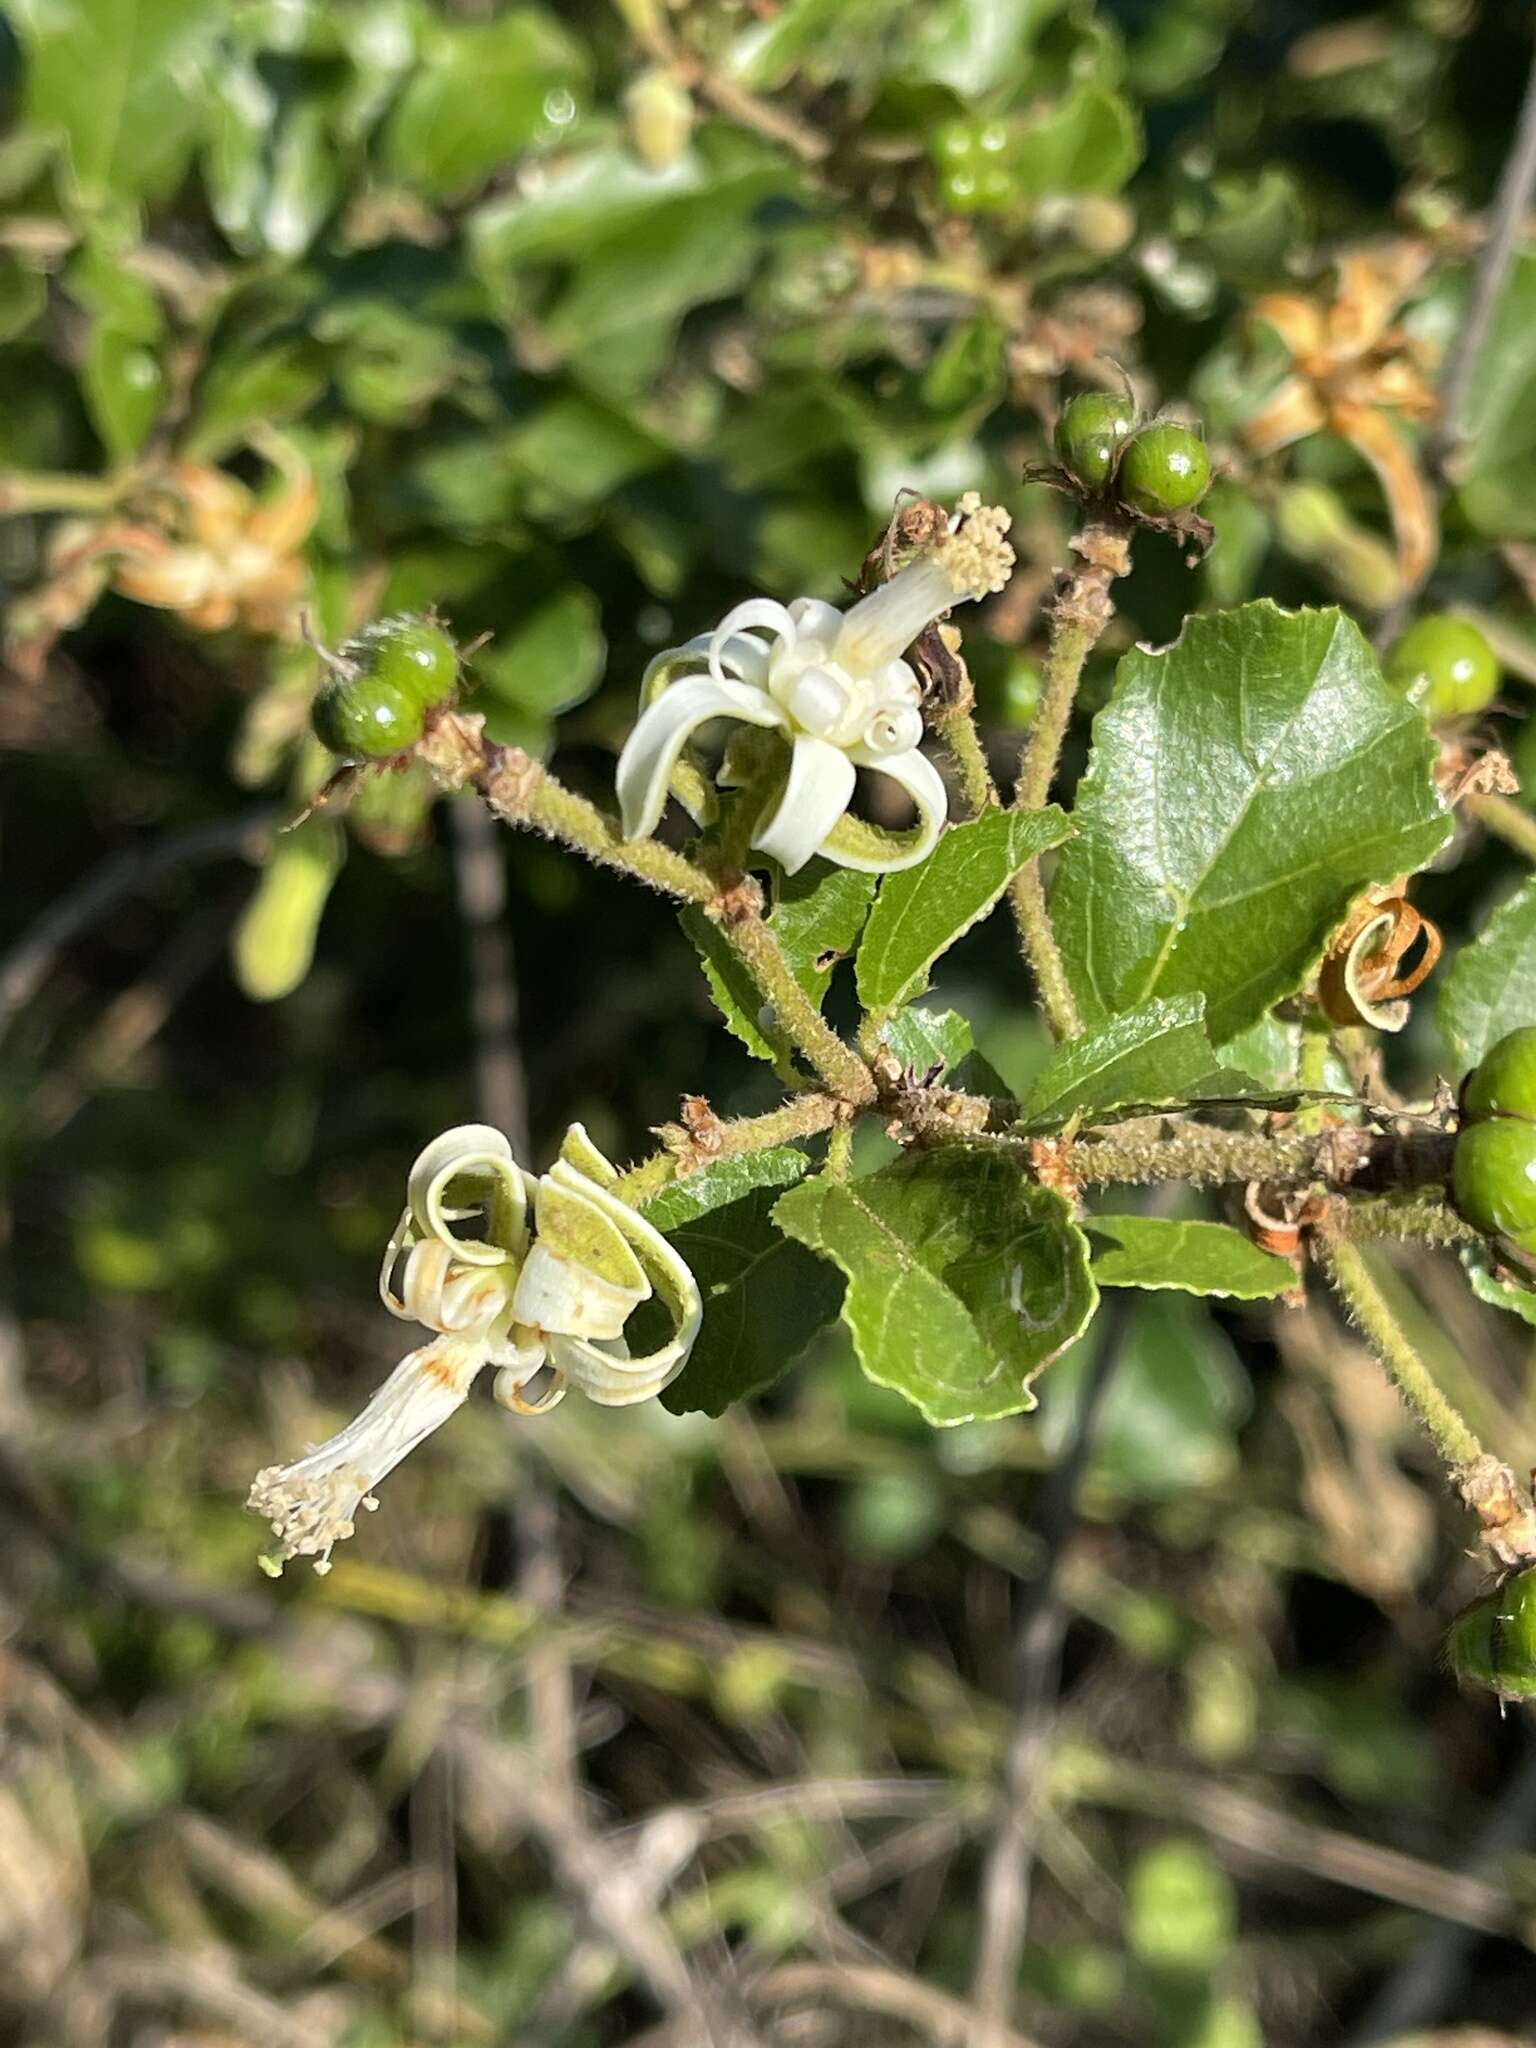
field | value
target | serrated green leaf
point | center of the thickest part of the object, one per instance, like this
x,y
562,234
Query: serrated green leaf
x,y
965,1277
925,1039
1156,1054
1245,785
480,94
1158,1252
724,1181
816,918
123,83
1491,986
764,1300
921,911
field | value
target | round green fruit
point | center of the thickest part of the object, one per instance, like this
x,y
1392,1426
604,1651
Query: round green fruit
x,y
1090,434
1492,1641
974,176
1493,1177
1445,666
1503,1083
1165,469
363,719
407,654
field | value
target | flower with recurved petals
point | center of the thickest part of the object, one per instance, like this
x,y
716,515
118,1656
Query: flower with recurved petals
x,y
553,1291
835,686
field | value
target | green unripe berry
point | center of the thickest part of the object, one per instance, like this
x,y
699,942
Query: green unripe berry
x,y
407,654
1492,1642
381,687
1090,433
1503,1083
363,719
1493,1177
974,176
1445,666
1165,469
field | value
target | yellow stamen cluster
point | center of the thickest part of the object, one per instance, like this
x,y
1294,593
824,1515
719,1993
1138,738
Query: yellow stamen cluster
x,y
976,557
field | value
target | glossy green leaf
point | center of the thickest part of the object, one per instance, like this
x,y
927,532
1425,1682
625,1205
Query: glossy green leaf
x,y
1158,1053
1245,785
481,93
123,83
921,911
1490,988
965,1277
764,1300
817,917
271,167
973,46
579,203
722,1182
1194,1258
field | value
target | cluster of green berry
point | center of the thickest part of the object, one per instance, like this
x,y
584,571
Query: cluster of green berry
x,y
974,161
1493,1174
381,687
1160,470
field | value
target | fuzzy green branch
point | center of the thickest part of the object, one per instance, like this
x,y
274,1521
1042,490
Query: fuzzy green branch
x,y
956,728
1506,820
1425,1218
837,1065
701,1138
521,791
1368,1307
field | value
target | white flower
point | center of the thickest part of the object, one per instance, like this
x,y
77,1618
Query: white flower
x,y
835,685
493,1298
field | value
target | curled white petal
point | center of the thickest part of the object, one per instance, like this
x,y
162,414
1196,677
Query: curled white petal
x,y
554,1294
313,1503
759,613
816,794
606,1373
888,853
816,621
665,728
475,1162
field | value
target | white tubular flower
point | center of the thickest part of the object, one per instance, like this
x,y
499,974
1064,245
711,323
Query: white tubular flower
x,y
491,1299
836,686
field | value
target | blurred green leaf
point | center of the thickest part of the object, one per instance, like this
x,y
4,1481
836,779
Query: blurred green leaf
x,y
1487,1286
244,389
553,659
921,911
122,376
274,941
480,94
1195,1258
1245,785
1490,988
23,295
973,46
1499,415
764,1300
964,1276
124,83
1090,142
1169,1414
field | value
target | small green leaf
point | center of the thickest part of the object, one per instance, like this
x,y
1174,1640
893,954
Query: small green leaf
x,y
553,659
816,918
1491,986
240,390
1245,785
965,1277
764,1300
1181,1909
925,1039
1153,1055
921,911
724,1181
1195,1258
1487,1286
480,94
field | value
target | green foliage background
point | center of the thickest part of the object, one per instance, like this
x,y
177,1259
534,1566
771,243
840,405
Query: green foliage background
x,y
589,322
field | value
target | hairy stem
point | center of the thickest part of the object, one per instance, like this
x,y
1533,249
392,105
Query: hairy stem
x,y
956,727
521,791
1080,611
1419,1219
838,1066
1367,1305
702,1137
